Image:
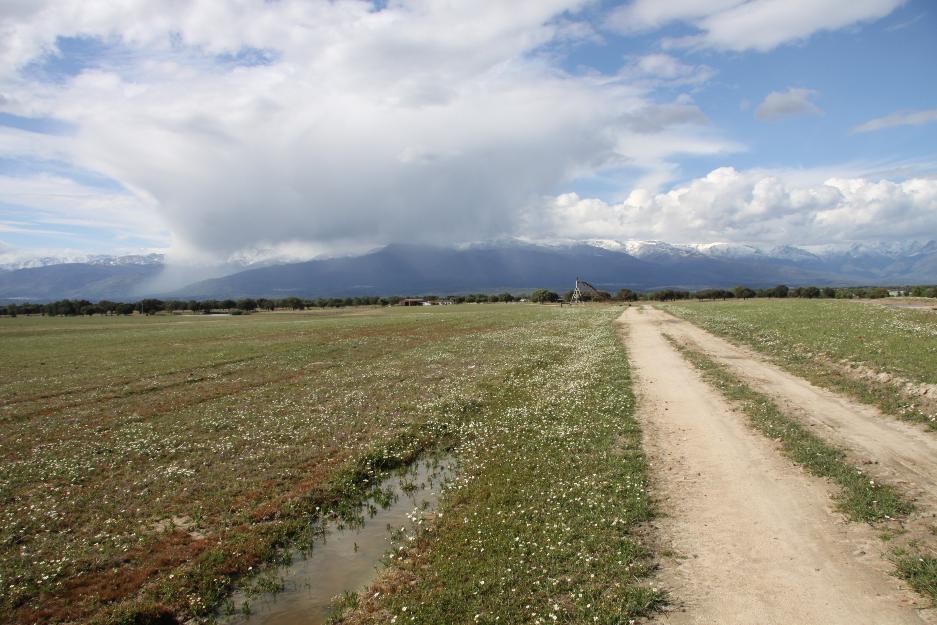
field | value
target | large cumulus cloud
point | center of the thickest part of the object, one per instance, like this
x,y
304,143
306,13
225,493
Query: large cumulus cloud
x,y
349,126
753,206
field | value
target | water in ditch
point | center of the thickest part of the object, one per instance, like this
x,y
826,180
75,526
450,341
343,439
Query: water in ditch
x,y
346,559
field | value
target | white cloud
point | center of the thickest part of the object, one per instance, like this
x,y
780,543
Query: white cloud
x,y
645,15
903,118
780,104
752,206
416,122
659,69
760,25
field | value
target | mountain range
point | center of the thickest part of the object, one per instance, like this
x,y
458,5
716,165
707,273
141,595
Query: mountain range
x,y
511,265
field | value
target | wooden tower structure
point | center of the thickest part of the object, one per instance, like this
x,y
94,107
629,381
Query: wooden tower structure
x,y
583,291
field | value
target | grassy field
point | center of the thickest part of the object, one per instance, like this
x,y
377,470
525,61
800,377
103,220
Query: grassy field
x,y
880,355
148,462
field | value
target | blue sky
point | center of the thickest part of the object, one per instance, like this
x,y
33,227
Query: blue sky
x,y
293,129
860,73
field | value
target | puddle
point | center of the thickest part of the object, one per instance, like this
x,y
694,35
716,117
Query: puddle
x,y
346,559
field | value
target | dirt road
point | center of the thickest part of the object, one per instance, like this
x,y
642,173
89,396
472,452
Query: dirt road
x,y
900,453
756,539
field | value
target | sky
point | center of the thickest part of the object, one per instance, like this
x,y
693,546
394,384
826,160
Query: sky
x,y
286,129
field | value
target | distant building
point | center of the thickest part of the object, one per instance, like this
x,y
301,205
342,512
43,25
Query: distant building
x,y
413,302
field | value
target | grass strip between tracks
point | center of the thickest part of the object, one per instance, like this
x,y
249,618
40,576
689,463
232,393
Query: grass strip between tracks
x,y
919,568
861,498
848,347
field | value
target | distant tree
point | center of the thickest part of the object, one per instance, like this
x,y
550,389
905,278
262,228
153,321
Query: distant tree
x,y
809,292
293,303
743,292
713,294
505,297
877,293
150,306
543,295
780,290
667,295
828,291
626,295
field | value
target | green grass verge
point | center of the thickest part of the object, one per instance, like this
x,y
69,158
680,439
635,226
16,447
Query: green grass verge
x,y
543,523
861,498
823,340
920,571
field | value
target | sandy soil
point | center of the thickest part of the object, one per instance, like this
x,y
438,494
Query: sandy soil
x,y
756,539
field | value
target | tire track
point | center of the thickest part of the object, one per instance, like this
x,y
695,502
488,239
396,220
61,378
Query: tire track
x,y
756,538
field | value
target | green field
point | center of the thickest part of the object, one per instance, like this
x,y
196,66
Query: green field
x,y
868,351
149,462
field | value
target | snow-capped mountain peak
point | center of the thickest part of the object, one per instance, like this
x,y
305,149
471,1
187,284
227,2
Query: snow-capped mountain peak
x,y
726,250
11,262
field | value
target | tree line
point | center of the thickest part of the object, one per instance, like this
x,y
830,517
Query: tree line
x,y
782,291
151,306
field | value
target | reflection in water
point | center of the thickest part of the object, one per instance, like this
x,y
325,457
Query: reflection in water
x,y
346,559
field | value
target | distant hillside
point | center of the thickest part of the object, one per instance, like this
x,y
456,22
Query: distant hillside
x,y
401,269
509,265
75,281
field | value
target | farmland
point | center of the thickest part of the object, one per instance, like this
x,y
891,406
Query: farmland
x,y
148,463
882,356
154,465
